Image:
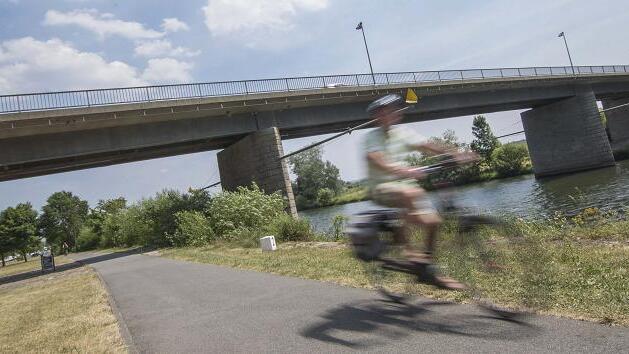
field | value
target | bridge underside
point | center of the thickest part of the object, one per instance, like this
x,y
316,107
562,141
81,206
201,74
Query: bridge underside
x,y
39,143
618,123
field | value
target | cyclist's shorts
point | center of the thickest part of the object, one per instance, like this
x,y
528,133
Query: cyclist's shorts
x,y
387,194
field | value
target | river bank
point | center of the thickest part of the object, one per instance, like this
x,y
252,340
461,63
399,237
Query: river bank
x,y
359,194
525,196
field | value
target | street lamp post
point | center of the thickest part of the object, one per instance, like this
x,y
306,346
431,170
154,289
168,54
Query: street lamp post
x,y
360,27
563,35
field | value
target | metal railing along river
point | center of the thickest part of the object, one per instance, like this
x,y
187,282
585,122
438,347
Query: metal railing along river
x,y
124,95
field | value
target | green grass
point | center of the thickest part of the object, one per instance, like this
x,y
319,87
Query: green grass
x,y
579,271
351,195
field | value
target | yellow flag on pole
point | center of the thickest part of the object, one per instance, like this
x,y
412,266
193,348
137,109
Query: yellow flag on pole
x,y
411,96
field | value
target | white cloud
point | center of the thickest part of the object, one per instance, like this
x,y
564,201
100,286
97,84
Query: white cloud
x,y
174,25
102,24
163,48
28,65
225,17
167,70
31,65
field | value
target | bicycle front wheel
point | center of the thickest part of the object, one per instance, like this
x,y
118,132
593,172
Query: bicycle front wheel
x,y
488,255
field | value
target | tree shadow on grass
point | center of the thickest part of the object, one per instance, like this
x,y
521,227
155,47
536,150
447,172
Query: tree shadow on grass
x,y
79,262
377,322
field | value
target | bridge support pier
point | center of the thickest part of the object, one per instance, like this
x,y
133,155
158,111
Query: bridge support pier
x,y
567,135
618,123
255,158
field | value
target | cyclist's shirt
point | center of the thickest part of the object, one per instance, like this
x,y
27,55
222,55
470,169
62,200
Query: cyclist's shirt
x,y
396,146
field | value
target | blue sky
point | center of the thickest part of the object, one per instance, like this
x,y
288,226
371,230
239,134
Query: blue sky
x,y
73,44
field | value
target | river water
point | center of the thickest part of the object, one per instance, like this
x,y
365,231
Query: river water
x,y
524,196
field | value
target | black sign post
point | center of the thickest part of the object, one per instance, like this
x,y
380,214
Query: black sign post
x,y
47,261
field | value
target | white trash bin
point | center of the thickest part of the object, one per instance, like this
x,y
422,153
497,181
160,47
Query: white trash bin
x,y
267,243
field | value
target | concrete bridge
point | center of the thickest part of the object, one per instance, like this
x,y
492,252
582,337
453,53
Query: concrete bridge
x,y
45,133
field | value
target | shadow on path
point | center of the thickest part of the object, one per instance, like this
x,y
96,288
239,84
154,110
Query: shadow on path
x,y
375,322
78,262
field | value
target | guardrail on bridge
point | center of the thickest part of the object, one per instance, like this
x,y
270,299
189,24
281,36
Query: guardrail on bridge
x,y
101,97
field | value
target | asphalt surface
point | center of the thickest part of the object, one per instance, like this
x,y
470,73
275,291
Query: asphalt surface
x,y
171,306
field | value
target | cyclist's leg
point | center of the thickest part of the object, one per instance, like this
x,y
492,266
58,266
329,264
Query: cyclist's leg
x,y
397,195
427,216
405,196
431,222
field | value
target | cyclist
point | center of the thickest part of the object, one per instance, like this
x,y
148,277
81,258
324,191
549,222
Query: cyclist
x,y
393,184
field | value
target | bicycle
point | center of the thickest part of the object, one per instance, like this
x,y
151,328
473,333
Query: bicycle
x,y
477,252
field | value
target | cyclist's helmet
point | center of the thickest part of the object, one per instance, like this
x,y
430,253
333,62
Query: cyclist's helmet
x,y
390,100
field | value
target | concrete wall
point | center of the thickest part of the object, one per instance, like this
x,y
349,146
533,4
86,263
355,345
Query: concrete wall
x,y
255,158
567,135
618,122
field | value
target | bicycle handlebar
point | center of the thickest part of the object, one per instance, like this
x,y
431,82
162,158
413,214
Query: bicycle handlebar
x,y
441,165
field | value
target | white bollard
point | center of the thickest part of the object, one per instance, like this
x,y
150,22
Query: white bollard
x,y
267,243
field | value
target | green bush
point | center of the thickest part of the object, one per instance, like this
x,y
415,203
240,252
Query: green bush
x,y
325,196
303,203
511,159
161,211
246,237
245,208
286,228
110,231
127,227
152,221
193,229
87,240
337,228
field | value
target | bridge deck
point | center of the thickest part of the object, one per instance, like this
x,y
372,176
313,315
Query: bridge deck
x,y
43,139
51,120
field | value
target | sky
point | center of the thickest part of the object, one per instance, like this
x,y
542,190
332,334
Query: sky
x,y
80,44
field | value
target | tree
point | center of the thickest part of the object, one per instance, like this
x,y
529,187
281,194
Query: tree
x,y
91,234
5,243
18,228
152,221
313,175
511,159
62,218
484,142
448,140
104,208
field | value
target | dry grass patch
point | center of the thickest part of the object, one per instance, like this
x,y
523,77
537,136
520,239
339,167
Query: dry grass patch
x,y
31,265
61,312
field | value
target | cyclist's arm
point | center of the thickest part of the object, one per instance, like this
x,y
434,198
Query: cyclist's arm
x,y
431,148
377,159
438,149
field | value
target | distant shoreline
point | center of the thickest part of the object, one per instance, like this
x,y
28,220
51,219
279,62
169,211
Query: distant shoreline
x,y
359,194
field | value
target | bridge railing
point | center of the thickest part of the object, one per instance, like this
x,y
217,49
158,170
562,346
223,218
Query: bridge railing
x,y
102,97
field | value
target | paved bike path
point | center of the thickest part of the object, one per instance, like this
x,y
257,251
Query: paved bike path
x,y
171,306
